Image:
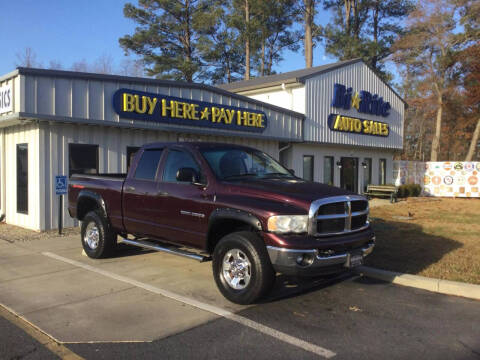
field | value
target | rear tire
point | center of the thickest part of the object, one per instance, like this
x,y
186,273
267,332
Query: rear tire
x,y
242,268
98,240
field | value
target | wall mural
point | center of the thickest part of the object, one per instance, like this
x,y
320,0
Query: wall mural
x,y
445,179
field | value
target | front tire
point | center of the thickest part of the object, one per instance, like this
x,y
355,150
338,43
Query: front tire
x,y
98,240
242,268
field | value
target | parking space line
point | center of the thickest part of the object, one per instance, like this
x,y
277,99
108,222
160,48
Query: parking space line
x,y
42,337
318,350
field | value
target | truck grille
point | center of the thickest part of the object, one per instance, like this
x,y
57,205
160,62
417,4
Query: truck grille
x,y
338,215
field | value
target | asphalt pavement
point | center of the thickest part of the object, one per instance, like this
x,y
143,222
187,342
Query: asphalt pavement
x,y
151,305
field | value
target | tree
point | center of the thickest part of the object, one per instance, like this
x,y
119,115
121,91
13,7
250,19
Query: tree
x,y
80,66
223,51
364,29
308,10
132,67
470,60
168,34
103,64
244,18
55,65
471,83
27,58
276,18
427,48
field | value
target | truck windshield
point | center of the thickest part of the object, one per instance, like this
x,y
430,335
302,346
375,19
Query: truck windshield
x,y
230,163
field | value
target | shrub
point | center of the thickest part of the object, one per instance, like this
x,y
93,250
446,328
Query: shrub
x,y
409,190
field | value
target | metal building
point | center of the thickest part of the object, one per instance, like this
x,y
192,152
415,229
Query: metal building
x,y
353,122
60,122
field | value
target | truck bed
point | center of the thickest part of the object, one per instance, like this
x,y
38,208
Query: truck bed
x,y
108,185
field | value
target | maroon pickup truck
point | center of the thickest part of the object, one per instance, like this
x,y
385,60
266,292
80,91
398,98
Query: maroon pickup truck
x,y
232,204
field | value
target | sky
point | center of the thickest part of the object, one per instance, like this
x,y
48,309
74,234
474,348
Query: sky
x,y
69,31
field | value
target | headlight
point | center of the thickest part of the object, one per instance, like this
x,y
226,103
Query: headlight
x,y
288,223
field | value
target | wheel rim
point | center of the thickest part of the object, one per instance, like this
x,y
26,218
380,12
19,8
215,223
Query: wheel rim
x,y
236,269
92,236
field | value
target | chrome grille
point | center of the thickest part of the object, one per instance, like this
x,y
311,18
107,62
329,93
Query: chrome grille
x,y
338,215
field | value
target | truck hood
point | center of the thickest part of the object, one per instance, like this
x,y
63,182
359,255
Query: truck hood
x,y
297,191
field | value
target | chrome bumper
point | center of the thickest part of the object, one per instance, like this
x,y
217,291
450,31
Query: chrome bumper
x,y
285,259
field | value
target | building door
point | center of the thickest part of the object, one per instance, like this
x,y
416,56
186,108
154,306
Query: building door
x,y
349,174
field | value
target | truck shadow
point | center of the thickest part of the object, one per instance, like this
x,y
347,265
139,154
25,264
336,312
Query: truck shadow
x,y
405,247
401,247
288,287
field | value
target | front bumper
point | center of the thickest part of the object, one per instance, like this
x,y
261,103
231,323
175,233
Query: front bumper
x,y
286,261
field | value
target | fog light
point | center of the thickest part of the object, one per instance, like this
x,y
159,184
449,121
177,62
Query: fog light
x,y
305,259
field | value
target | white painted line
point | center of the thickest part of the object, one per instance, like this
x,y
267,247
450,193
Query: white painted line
x,y
318,350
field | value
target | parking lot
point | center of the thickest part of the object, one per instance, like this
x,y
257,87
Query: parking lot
x,y
154,305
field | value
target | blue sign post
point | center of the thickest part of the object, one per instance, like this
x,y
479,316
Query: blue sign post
x,y
60,189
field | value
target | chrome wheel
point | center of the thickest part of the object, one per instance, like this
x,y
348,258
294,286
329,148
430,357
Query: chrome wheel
x,y
236,269
92,236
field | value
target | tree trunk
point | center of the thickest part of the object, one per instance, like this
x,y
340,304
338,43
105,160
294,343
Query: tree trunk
x,y
188,45
309,8
247,41
348,6
375,32
436,137
262,63
474,142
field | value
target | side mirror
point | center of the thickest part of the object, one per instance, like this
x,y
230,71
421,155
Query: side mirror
x,y
187,174
291,171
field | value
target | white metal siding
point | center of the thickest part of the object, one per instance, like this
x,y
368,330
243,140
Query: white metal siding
x,y
297,151
112,153
14,135
81,99
319,93
290,98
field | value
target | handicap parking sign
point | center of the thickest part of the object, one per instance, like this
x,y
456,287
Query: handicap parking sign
x,y
60,184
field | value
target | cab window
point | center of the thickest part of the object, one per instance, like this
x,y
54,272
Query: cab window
x,y
177,159
148,164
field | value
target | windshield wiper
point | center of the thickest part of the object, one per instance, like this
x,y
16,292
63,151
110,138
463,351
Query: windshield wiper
x,y
277,174
239,175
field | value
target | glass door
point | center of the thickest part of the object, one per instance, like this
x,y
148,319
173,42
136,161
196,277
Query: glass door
x,y
349,174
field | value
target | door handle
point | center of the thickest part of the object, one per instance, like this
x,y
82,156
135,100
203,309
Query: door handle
x,y
130,188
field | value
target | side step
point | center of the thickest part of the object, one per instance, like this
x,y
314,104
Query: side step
x,y
170,249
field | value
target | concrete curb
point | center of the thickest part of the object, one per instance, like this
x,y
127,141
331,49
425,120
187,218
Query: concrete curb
x,y
447,287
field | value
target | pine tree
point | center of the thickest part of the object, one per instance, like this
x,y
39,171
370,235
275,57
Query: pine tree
x,y
169,34
276,18
364,29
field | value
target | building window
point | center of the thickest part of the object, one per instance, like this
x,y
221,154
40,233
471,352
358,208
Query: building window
x,y
328,170
22,178
382,172
175,161
83,159
367,173
148,164
131,151
308,167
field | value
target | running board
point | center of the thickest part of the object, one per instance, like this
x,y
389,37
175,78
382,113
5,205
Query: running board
x,y
168,249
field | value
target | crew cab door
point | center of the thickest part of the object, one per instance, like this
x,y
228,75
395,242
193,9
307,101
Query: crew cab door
x,y
142,208
189,204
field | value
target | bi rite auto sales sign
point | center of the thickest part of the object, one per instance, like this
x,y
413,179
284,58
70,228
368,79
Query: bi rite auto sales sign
x,y
364,102
6,99
139,105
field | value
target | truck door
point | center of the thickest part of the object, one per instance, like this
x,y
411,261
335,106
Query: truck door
x,y
141,211
188,205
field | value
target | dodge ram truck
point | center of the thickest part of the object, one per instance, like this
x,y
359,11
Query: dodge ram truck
x,y
232,204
